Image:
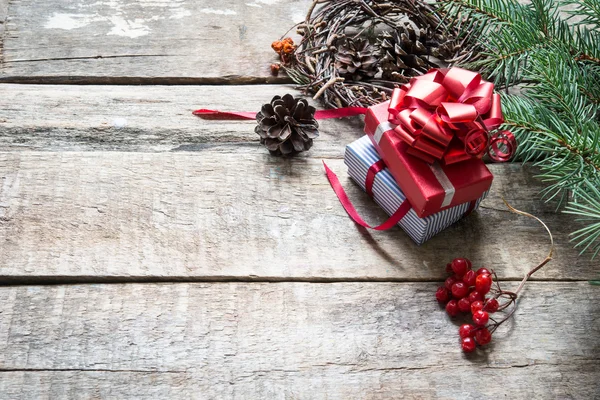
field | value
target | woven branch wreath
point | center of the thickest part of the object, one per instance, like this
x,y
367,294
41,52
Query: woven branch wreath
x,y
354,52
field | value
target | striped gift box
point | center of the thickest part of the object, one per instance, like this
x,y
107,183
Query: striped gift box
x,y
360,155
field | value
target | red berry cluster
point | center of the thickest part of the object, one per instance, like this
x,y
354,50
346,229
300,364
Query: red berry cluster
x,y
465,291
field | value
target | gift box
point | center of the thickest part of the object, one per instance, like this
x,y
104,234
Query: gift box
x,y
430,187
361,155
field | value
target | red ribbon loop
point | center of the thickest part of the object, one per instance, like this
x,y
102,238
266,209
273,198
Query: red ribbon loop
x,y
502,146
446,115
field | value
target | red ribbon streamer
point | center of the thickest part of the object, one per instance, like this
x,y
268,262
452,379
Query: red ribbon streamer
x,y
319,114
214,114
347,204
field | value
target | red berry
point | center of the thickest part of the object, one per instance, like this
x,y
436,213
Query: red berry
x,y
482,271
459,290
481,318
491,306
483,336
460,266
469,278
449,282
474,296
466,330
442,294
468,345
483,283
476,306
449,268
464,304
452,308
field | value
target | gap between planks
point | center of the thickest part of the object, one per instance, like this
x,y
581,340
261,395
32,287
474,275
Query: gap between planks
x,y
143,81
52,280
582,362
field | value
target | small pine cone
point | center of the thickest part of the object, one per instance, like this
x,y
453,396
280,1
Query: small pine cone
x,y
406,53
286,125
356,59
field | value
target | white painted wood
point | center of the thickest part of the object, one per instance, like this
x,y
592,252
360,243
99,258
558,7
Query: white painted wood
x,y
288,340
211,215
174,41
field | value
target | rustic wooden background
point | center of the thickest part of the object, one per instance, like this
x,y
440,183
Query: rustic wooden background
x,y
145,253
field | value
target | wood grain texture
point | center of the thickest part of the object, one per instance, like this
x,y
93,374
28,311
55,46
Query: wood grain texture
x,y
288,340
93,216
3,14
3,18
145,41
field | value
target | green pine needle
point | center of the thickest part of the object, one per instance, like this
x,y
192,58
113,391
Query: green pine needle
x,y
552,49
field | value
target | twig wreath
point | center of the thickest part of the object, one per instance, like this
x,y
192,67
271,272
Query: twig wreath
x,y
354,52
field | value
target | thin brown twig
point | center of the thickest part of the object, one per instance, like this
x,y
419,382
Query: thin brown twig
x,y
550,253
330,82
512,296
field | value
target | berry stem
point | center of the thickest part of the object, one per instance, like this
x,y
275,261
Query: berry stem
x,y
550,253
512,296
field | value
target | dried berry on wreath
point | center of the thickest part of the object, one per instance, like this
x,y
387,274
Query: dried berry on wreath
x,y
287,125
285,48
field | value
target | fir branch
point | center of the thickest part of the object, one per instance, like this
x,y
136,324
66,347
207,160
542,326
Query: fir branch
x,y
586,44
588,9
574,150
587,208
494,12
557,119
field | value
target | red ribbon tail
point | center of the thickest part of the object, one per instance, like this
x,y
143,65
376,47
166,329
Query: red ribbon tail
x,y
347,204
320,114
340,112
214,114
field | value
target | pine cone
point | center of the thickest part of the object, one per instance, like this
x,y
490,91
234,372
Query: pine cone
x,y
286,125
356,59
407,54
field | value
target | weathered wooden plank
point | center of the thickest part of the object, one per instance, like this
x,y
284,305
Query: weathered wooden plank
x,y
210,215
77,118
174,41
156,119
577,381
288,340
146,118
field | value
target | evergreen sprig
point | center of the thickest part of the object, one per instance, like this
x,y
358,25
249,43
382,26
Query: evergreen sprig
x,y
589,10
551,49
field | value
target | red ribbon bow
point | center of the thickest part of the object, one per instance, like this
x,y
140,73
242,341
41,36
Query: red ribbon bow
x,y
447,115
